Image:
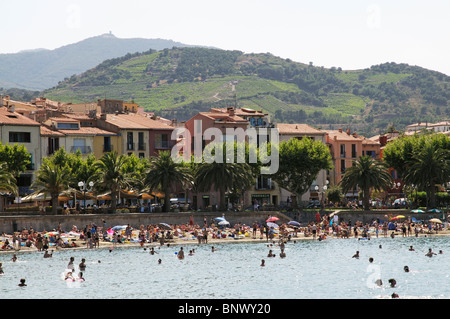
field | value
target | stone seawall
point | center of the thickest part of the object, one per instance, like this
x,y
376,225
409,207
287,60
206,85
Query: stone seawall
x,y
9,224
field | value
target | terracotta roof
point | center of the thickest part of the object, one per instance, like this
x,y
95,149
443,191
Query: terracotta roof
x,y
87,131
223,116
287,129
341,136
45,131
136,121
13,118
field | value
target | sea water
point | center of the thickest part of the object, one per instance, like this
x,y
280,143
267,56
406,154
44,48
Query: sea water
x,y
312,269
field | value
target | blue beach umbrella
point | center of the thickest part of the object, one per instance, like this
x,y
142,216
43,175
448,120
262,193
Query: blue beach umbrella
x,y
417,211
294,223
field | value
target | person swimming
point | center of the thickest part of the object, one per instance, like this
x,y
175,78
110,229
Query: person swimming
x,y
430,253
82,265
22,283
356,255
47,255
394,295
70,264
69,276
14,258
263,262
271,254
371,260
1,269
406,269
392,282
411,248
80,277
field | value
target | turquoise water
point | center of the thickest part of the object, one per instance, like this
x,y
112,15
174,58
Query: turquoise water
x,y
311,270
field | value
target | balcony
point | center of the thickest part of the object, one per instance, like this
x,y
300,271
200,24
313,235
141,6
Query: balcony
x,y
83,149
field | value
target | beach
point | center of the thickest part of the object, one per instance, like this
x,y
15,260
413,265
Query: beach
x,y
159,235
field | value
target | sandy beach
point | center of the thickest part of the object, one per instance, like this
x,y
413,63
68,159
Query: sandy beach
x,y
186,235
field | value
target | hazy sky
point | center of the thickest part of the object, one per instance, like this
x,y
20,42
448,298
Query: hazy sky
x,y
351,34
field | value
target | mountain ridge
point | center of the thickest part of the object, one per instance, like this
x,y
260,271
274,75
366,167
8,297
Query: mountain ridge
x,y
39,69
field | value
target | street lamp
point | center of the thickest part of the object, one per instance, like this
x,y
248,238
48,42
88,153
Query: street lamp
x,y
324,189
85,188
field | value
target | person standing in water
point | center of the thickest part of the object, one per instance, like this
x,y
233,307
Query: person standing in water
x,y
181,253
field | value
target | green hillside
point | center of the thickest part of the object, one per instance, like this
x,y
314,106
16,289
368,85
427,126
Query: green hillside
x,y
179,82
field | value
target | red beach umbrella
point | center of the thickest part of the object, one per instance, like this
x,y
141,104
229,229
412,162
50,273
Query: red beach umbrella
x,y
272,219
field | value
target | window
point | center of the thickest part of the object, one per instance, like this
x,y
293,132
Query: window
x,y
19,137
263,182
353,150
141,144
342,150
130,144
342,166
68,126
107,147
161,141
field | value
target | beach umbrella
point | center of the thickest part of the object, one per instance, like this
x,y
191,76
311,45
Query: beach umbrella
x,y
223,222
270,224
165,226
272,219
417,211
398,217
119,227
294,223
51,233
435,220
434,210
219,219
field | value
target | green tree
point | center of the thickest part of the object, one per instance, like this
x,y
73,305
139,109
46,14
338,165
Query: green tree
x,y
421,160
334,194
366,173
300,162
52,179
7,180
17,158
111,175
165,173
428,168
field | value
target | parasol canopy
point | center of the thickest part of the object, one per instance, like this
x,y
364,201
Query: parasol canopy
x,y
272,219
417,211
435,220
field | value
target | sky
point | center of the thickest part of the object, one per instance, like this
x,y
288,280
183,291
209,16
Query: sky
x,y
351,34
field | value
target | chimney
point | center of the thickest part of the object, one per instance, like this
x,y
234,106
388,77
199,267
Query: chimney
x,y
354,134
348,131
230,111
340,130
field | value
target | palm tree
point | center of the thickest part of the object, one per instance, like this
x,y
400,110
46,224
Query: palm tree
x,y
52,179
366,173
111,175
428,167
224,177
164,173
7,180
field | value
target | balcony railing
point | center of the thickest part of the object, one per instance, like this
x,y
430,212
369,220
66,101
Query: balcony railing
x,y
141,147
130,146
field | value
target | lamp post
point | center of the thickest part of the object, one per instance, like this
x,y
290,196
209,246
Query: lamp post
x,y
85,188
324,189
